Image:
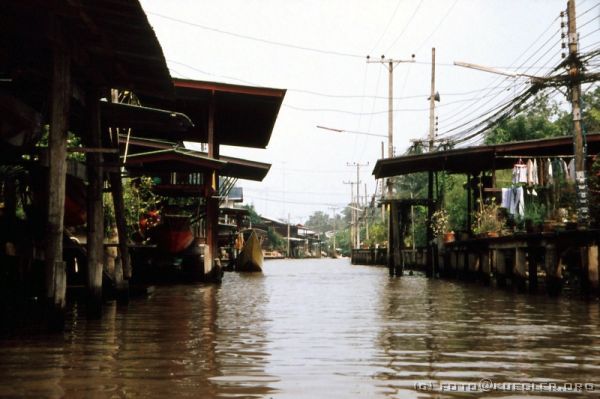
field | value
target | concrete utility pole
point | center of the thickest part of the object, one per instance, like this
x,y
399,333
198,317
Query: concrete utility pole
x,y
390,64
432,98
357,203
578,138
430,210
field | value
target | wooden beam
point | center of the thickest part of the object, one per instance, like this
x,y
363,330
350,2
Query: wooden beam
x,y
87,150
60,97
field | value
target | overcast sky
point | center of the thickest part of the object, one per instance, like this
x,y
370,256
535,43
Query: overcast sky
x,y
316,49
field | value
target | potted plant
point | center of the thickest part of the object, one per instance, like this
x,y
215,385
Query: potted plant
x,y
486,221
440,224
534,217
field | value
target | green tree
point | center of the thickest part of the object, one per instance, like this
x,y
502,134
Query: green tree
x,y
252,214
319,221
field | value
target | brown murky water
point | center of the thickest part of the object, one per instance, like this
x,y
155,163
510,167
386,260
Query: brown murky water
x,y
315,329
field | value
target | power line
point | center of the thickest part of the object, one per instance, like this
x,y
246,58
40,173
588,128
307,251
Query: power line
x,y
502,80
387,26
405,26
297,202
256,39
441,21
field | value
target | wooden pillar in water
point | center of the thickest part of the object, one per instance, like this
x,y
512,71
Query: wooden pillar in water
x,y
60,98
500,267
553,270
212,270
429,269
398,238
533,269
520,269
390,237
486,266
393,240
95,210
592,270
469,202
116,186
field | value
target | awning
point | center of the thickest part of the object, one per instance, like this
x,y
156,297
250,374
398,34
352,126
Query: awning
x,y
232,167
244,115
172,160
482,158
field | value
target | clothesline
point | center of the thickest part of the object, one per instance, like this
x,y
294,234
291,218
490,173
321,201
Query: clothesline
x,y
537,156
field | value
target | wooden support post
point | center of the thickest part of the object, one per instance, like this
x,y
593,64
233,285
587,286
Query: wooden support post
x,y
592,270
116,186
469,203
486,267
95,211
56,281
396,241
533,270
500,267
473,263
520,269
390,236
212,269
553,270
429,271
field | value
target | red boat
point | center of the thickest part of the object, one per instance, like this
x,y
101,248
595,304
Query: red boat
x,y
174,234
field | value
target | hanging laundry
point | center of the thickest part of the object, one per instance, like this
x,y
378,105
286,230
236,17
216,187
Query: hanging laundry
x,y
519,174
565,169
535,180
550,179
518,202
506,198
571,170
529,172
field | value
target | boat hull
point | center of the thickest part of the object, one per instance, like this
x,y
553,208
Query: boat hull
x,y
173,235
250,258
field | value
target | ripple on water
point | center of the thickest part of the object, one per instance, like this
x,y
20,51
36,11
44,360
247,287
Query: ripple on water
x,y
309,329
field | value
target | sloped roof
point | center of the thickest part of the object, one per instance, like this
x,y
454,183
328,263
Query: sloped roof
x,y
481,158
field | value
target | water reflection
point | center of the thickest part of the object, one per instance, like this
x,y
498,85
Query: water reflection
x,y
445,334
309,329
182,341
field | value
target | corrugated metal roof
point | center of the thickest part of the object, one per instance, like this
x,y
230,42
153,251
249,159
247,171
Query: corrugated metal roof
x,y
481,158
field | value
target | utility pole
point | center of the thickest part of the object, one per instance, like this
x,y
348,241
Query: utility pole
x,y
334,252
430,210
578,138
390,64
353,223
575,77
432,98
357,203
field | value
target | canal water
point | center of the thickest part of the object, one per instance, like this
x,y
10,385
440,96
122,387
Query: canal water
x,y
315,329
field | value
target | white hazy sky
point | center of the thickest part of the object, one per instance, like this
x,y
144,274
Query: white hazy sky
x,y
335,87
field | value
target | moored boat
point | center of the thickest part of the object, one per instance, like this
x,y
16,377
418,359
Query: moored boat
x,y
174,234
250,258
